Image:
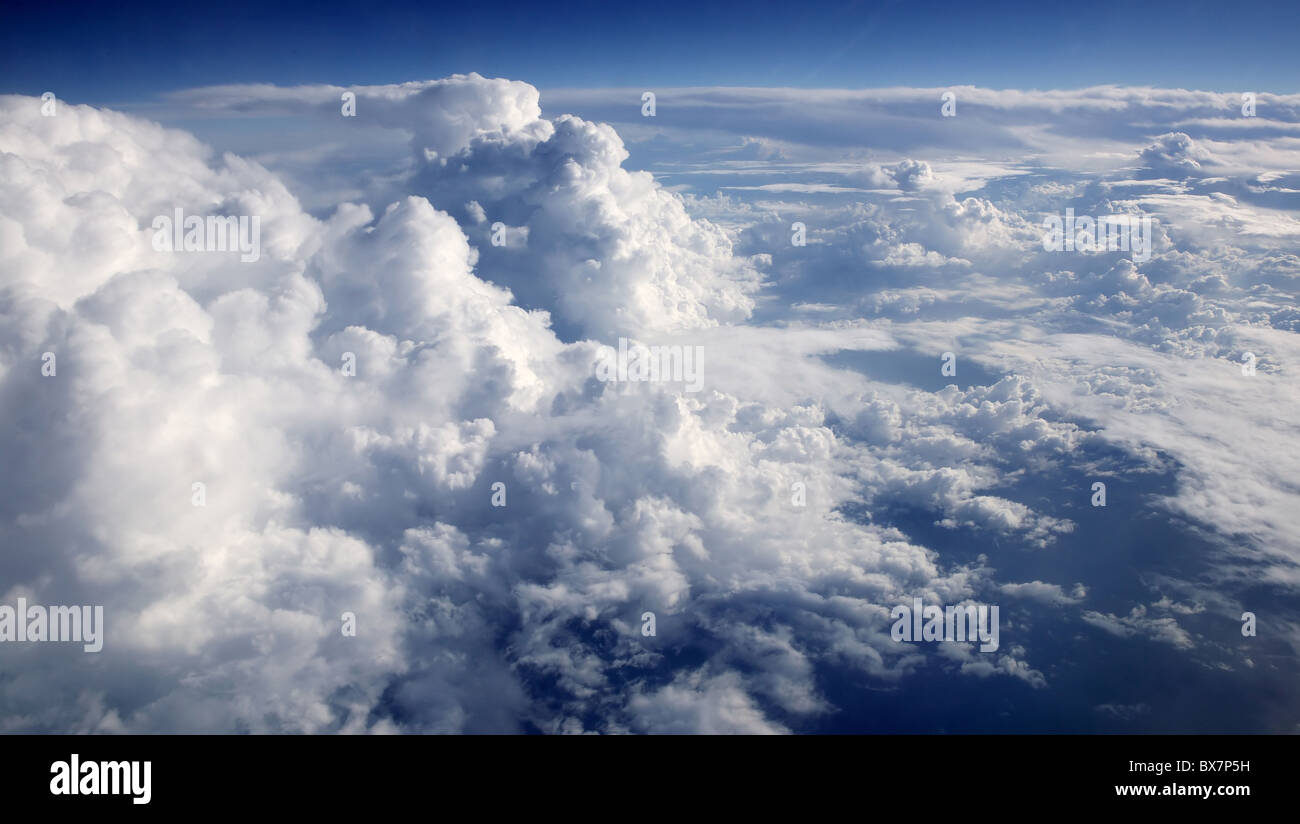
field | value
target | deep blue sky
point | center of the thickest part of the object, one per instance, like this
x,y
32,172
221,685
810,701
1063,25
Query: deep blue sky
x,y
110,52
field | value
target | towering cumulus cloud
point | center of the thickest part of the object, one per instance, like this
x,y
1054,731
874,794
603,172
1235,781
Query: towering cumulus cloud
x,y
370,481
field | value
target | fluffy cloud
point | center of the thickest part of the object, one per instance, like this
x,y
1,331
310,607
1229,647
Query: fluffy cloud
x,y
826,471
326,493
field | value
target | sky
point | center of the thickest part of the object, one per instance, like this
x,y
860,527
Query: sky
x,y
140,49
378,460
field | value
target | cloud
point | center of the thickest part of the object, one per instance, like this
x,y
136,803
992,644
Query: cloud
x,y
1045,593
1176,154
692,705
1164,630
499,519
326,492
908,175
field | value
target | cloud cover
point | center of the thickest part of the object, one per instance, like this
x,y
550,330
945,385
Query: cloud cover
x,y
372,493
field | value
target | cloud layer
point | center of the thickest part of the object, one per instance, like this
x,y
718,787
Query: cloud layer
x,y
393,416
